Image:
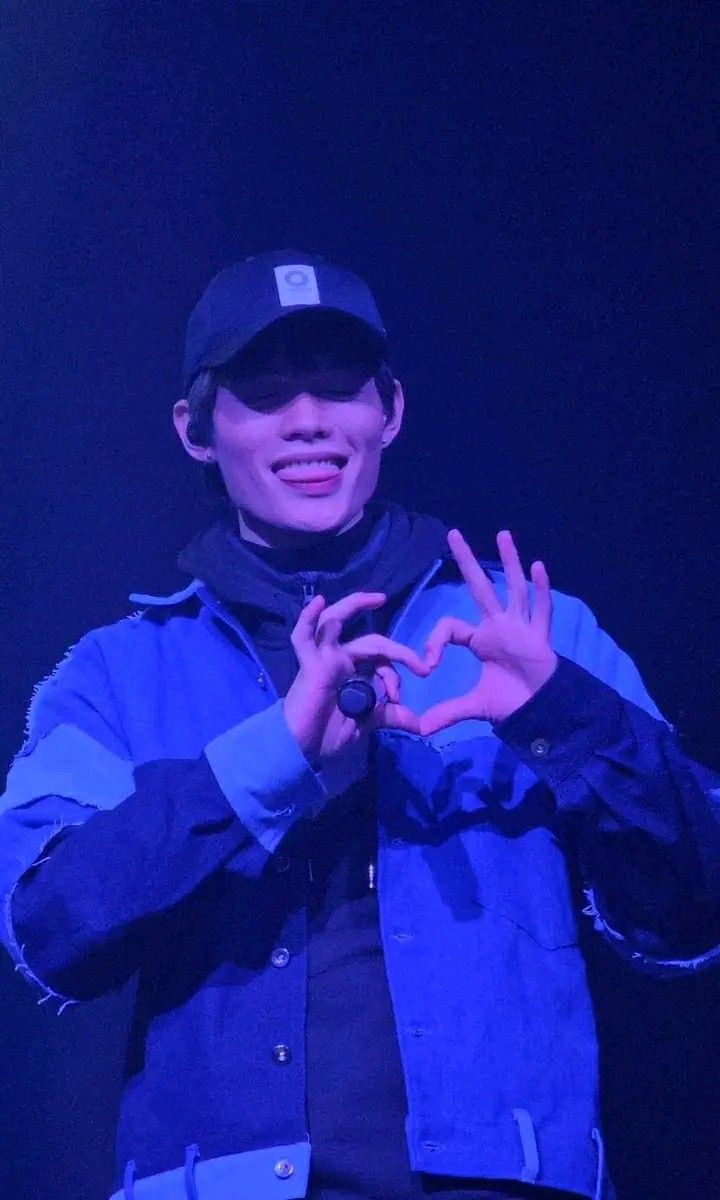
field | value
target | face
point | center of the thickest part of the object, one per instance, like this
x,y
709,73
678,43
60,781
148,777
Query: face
x,y
299,451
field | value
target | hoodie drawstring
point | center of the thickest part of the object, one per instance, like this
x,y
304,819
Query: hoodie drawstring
x,y
598,1139
191,1154
129,1180
531,1170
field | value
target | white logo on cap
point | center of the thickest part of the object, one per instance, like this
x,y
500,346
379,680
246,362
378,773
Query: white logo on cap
x,y
296,284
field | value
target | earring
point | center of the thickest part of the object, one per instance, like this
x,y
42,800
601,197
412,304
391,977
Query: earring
x,y
209,457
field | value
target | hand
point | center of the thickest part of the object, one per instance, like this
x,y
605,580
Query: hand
x,y
321,730
513,646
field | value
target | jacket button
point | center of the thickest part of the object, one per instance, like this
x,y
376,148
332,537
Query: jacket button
x,y
540,747
282,1054
281,862
283,1168
280,956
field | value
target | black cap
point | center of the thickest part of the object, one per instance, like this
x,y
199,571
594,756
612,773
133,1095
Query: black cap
x,y
246,297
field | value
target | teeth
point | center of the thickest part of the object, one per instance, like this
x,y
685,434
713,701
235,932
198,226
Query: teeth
x,y
315,462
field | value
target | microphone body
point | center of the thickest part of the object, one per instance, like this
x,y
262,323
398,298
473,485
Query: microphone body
x,y
359,695
362,692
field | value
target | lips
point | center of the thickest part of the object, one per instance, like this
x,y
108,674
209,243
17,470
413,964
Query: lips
x,y
316,469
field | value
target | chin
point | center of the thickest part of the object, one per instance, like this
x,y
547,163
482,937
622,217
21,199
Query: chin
x,y
311,517
319,519
319,523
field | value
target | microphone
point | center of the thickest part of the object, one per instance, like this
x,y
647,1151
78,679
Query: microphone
x,y
359,695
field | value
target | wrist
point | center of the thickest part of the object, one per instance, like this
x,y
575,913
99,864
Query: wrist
x,y
537,675
302,729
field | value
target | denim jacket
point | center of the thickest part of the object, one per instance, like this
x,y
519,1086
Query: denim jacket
x,y
156,797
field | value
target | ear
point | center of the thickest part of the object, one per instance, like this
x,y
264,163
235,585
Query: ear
x,y
181,418
394,421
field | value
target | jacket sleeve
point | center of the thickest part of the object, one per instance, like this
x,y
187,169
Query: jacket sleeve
x,y
94,849
644,818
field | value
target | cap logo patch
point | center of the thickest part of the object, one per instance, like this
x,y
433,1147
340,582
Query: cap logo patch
x,y
296,284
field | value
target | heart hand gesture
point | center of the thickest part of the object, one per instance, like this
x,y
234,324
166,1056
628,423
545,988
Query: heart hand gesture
x,y
513,644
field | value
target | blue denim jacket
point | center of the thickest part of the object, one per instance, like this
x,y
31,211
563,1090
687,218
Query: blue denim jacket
x,y
156,797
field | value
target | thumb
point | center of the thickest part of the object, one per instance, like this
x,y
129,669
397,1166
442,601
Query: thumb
x,y
440,716
451,630
395,716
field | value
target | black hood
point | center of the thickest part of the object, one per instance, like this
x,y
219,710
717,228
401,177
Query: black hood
x,y
387,551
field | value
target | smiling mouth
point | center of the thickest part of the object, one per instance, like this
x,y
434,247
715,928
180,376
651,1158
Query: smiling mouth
x,y
315,470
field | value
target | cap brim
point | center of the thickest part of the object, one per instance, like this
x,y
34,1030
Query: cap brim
x,y
234,343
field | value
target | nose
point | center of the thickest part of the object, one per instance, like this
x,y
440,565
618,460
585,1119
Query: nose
x,y
306,416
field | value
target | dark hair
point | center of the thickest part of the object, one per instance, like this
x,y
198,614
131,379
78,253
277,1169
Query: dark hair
x,y
305,341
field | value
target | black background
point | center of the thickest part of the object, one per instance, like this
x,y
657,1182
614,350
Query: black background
x,y
531,191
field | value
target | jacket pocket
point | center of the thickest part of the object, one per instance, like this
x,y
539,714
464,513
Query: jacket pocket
x,y
506,821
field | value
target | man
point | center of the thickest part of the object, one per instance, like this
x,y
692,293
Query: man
x,y
354,936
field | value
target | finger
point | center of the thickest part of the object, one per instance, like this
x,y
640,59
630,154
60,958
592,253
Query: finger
x,y
480,587
328,633
390,681
446,713
518,601
542,601
302,637
451,630
375,645
354,603
394,716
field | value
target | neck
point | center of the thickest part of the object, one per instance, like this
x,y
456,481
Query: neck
x,y
260,534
